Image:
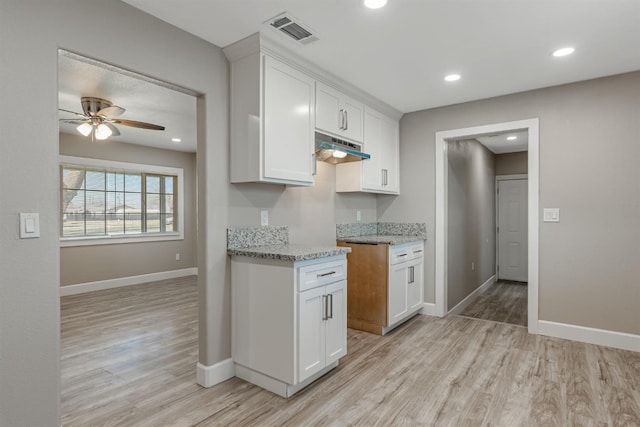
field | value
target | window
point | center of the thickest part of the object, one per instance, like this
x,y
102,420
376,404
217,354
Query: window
x,y
116,202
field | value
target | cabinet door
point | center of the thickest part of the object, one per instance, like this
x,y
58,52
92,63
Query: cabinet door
x,y
354,118
389,154
398,277
311,332
336,324
415,284
288,139
371,168
328,106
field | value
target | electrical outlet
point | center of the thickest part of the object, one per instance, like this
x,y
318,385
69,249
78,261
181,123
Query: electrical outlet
x,y
358,216
177,257
264,217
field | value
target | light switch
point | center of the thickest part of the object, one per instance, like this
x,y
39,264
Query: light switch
x,y
264,217
551,215
29,225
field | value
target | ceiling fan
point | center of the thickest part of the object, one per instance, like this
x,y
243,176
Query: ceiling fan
x,y
98,119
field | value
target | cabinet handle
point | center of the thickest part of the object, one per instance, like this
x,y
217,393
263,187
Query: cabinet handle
x,y
314,164
346,120
330,316
325,274
411,274
324,307
386,177
418,251
341,119
402,255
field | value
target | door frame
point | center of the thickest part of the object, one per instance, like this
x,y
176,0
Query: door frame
x,y
532,127
514,177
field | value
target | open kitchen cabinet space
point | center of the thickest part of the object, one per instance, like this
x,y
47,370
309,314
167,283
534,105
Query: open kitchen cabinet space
x,y
380,173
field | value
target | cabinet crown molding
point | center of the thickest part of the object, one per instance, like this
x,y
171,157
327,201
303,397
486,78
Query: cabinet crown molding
x,y
261,42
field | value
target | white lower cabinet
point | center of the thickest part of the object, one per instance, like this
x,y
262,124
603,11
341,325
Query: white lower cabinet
x,y
289,320
322,330
406,281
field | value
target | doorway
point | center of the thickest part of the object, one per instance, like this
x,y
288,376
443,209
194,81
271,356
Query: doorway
x,y
531,127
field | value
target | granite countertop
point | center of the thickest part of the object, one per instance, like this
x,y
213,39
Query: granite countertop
x,y
288,252
378,238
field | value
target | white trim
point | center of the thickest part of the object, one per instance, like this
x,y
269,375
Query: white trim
x,y
99,285
531,125
585,334
208,376
472,296
428,309
133,238
514,177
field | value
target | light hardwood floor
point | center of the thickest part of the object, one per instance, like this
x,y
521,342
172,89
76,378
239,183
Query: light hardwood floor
x,y
129,356
504,301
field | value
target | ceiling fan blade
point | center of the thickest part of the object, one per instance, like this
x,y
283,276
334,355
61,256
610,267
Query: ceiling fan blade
x,y
114,130
112,111
141,125
74,120
71,112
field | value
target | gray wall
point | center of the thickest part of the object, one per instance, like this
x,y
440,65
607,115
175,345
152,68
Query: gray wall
x,y
512,163
82,264
471,236
310,212
31,33
589,151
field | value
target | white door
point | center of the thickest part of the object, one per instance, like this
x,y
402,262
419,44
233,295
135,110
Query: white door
x,y
398,278
311,336
371,170
328,106
512,230
389,154
354,116
415,284
289,100
336,323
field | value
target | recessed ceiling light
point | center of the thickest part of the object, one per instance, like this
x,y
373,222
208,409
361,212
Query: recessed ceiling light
x,y
374,4
512,138
563,52
452,77
176,140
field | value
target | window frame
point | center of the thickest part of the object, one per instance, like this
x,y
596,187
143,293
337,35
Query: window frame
x,y
85,162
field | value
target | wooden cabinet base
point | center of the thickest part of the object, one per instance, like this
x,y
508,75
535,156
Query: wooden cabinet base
x,y
363,325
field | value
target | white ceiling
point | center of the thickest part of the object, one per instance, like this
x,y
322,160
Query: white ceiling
x,y
499,143
143,99
400,53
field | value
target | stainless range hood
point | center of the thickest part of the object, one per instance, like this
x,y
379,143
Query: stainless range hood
x,y
334,150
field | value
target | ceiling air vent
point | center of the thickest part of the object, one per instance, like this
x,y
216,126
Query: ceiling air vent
x,y
287,24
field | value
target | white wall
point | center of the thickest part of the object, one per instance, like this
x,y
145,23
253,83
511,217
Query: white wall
x,y
588,168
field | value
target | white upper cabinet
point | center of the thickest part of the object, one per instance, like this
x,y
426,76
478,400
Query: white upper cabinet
x,y
338,114
380,173
272,120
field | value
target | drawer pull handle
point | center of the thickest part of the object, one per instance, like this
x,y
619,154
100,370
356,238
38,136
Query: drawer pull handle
x,y
402,255
417,252
326,274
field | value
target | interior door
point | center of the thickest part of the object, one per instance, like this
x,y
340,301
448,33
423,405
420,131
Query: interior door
x,y
512,230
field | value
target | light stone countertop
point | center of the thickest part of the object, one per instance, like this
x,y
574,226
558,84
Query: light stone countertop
x,y
288,252
388,239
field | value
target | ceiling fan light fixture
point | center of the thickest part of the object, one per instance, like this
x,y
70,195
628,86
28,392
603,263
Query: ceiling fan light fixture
x,y
374,4
85,129
103,132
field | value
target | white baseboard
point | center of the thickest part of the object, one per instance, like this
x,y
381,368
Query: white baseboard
x,y
428,309
585,334
125,281
208,376
472,296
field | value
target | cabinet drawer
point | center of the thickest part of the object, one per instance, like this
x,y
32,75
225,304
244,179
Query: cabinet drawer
x,y
405,252
315,275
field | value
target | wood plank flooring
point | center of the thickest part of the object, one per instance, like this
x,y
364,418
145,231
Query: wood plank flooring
x,y
129,356
504,302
